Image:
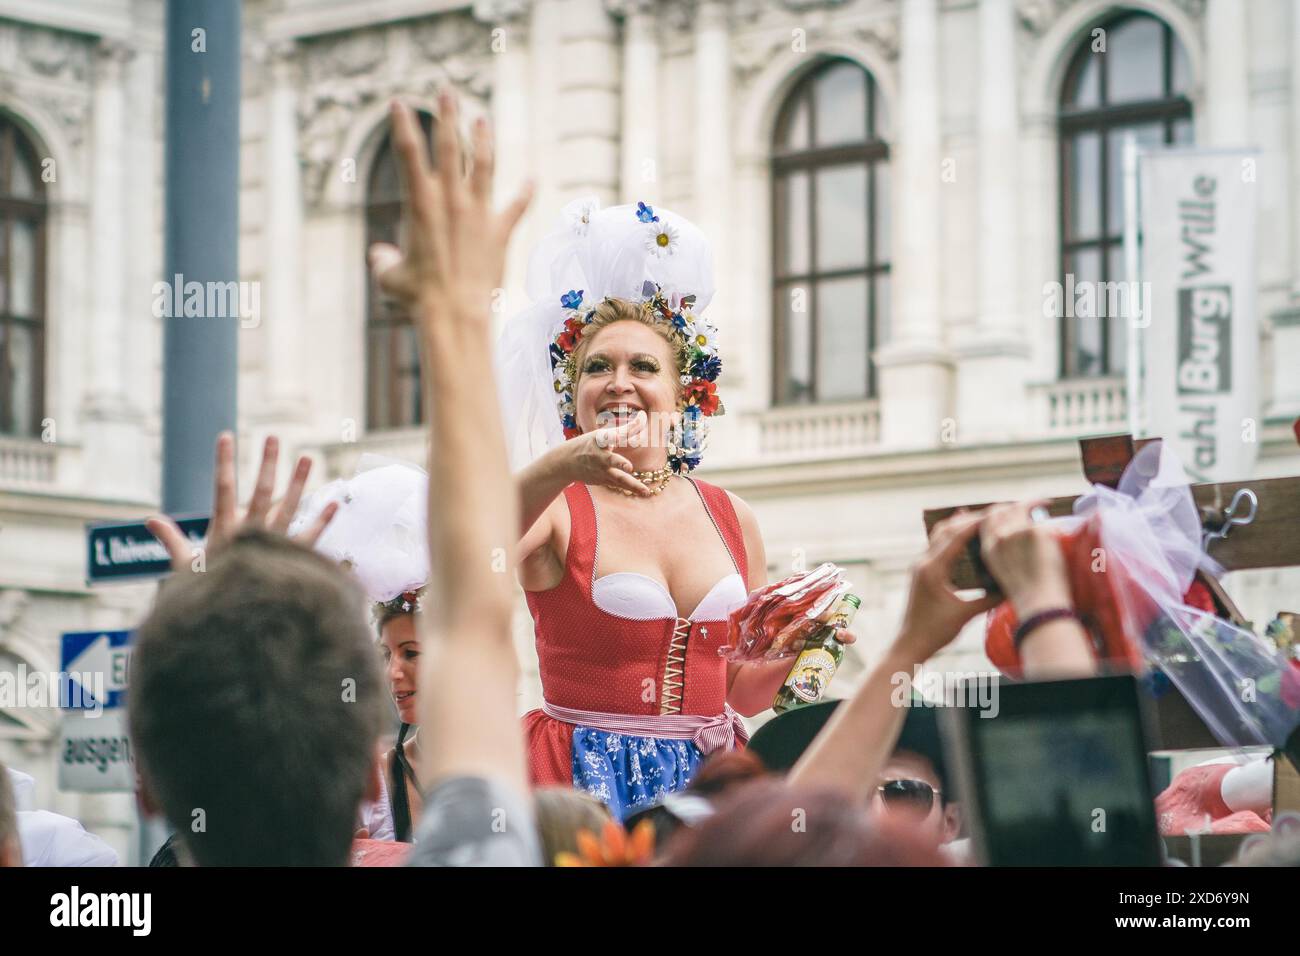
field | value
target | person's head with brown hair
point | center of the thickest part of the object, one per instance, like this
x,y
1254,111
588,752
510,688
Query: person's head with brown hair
x,y
11,851
767,823
256,704
399,647
561,813
723,771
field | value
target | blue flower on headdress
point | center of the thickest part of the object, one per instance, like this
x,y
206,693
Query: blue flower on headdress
x,y
691,411
684,464
571,299
646,213
707,368
679,321
569,422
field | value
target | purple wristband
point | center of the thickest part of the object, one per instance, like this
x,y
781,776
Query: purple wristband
x,y
1042,617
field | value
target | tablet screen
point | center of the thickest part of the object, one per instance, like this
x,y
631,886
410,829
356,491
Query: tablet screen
x,y
1065,787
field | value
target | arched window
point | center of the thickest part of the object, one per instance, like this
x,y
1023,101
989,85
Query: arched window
x,y
22,284
1137,83
392,348
830,217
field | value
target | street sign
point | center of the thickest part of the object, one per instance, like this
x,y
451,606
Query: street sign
x,y
118,552
93,666
94,753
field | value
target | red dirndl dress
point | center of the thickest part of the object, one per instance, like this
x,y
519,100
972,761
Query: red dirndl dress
x,y
631,706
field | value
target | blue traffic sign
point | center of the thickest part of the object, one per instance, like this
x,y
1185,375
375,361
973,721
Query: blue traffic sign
x,y
93,668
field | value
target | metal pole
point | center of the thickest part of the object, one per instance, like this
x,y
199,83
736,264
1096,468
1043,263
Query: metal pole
x,y
200,258
200,358
1134,379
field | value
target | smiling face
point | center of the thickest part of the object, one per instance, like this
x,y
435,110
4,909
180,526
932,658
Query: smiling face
x,y
399,642
625,367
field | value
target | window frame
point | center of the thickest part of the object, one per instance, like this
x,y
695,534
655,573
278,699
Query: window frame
x,y
34,210
869,154
1106,120
382,223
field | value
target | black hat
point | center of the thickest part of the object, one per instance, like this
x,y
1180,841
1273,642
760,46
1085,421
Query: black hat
x,y
780,742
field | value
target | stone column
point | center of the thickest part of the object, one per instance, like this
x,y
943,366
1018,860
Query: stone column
x,y
1294,165
511,103
641,123
1227,87
587,120
108,261
282,321
1286,323
915,369
993,360
714,170
111,426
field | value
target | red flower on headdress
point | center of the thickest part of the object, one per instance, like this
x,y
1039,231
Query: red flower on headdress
x,y
704,394
568,339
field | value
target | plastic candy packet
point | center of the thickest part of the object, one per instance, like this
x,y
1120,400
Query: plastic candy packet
x,y
776,620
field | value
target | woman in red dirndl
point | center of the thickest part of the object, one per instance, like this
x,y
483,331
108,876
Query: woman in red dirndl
x,y
630,566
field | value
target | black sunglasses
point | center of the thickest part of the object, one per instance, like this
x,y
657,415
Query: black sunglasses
x,y
916,795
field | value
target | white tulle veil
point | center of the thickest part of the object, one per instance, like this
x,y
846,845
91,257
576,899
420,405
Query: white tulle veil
x,y
380,531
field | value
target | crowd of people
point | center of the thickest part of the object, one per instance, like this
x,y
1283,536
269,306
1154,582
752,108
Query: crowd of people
x,y
260,695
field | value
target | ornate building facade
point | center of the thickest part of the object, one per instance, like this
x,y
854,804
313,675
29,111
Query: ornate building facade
x,y
889,184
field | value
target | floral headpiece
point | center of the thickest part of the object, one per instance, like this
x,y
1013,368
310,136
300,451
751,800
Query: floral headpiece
x,y
408,602
696,341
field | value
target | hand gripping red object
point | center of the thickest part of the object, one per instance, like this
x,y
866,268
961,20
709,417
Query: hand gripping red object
x,y
1114,611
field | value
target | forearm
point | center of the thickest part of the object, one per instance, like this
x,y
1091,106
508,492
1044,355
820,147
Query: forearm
x,y
469,676
753,686
472,504
857,741
538,485
1059,648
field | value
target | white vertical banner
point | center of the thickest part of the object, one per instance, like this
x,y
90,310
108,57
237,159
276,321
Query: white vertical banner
x,y
1200,330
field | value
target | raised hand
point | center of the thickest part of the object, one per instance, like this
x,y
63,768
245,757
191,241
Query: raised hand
x,y
453,253
262,511
1024,558
590,458
936,613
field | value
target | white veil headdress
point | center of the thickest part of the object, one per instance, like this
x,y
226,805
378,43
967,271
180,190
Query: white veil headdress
x,y
380,529
601,253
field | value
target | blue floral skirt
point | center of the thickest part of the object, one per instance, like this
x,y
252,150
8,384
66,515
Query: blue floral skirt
x,y
629,773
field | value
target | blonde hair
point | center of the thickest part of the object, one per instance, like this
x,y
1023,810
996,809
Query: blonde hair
x,y
610,311
561,813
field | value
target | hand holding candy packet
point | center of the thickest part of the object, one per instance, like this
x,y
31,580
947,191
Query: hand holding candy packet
x,y
776,620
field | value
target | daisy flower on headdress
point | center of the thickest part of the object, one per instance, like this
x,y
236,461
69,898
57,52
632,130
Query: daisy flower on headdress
x,y
580,218
646,213
700,335
662,240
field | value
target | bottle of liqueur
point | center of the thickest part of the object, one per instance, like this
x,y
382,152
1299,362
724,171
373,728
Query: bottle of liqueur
x,y
817,662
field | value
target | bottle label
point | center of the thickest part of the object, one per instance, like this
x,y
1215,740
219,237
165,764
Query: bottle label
x,y
812,671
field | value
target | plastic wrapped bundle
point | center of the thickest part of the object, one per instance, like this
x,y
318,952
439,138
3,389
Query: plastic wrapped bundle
x,y
775,621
